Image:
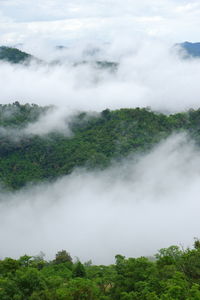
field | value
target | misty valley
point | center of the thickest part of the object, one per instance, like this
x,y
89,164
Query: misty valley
x,y
104,168
99,150
99,159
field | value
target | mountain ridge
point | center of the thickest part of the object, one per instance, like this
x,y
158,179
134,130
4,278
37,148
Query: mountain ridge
x,y
96,141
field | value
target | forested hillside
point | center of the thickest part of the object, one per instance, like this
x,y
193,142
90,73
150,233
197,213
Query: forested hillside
x,y
174,274
14,55
95,142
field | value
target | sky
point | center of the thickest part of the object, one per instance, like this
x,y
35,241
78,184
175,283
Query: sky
x,y
66,22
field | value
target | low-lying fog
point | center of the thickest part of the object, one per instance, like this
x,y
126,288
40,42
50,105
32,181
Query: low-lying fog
x,y
133,208
151,73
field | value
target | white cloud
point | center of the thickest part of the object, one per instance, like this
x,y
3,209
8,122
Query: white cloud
x,y
188,7
134,208
100,18
150,74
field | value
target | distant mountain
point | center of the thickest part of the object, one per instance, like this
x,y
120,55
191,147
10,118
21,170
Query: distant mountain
x,y
192,49
14,55
61,47
102,65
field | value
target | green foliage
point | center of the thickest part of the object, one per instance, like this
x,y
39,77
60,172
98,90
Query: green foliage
x,y
79,270
8,265
29,280
95,142
18,116
168,256
63,257
9,290
83,289
176,278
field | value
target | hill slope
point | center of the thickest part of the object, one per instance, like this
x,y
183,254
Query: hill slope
x,y
94,143
192,49
14,55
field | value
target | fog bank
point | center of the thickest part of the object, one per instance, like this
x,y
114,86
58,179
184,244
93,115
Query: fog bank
x,y
133,208
149,74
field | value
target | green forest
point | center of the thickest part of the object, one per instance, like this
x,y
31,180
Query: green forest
x,y
172,274
13,55
96,140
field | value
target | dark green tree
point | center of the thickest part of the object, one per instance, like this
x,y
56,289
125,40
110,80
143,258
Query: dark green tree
x,y
62,257
79,270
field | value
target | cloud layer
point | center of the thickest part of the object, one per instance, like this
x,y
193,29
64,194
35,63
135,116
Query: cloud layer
x,y
64,21
150,74
133,208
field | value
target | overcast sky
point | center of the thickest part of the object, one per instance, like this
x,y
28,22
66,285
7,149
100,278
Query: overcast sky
x,y
65,21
